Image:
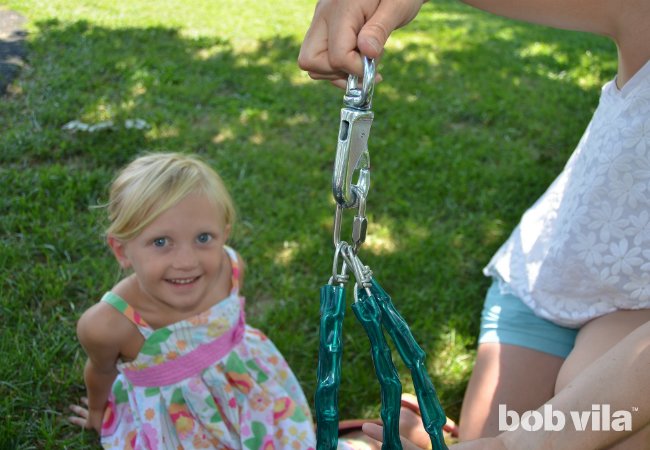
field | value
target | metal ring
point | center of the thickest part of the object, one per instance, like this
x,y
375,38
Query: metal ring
x,y
361,98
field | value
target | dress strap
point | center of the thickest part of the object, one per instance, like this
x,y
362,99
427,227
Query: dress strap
x,y
122,306
234,262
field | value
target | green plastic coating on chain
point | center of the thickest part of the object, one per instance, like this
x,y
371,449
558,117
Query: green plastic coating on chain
x,y
369,314
332,310
433,416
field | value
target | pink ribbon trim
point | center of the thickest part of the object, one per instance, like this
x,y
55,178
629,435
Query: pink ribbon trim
x,y
190,364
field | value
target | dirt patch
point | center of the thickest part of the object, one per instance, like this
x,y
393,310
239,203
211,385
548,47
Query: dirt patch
x,y
12,47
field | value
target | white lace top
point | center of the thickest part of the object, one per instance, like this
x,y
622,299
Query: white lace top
x,y
583,249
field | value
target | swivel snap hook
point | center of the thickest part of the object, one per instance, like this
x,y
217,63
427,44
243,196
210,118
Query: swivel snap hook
x,y
352,148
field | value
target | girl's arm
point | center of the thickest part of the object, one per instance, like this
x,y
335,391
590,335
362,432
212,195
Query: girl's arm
x,y
100,330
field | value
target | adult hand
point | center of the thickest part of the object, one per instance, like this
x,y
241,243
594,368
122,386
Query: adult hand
x,y
343,30
90,420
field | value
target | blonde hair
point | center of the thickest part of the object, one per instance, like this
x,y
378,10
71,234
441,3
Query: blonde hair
x,y
153,183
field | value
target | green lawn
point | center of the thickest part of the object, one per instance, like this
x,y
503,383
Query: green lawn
x,y
474,119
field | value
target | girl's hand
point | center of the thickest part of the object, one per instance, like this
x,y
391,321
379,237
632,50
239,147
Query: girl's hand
x,y
87,419
480,444
375,432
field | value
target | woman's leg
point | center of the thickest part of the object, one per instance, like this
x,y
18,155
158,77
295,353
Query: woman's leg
x,y
593,340
518,378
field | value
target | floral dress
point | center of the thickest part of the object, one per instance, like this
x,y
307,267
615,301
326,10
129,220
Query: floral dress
x,y
208,382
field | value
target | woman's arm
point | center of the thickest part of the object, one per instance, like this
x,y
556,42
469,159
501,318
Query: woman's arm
x,y
626,22
341,30
620,378
593,16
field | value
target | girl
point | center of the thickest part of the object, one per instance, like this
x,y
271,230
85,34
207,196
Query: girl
x,y
171,363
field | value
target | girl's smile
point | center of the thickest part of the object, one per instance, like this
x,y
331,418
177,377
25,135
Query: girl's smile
x,y
182,281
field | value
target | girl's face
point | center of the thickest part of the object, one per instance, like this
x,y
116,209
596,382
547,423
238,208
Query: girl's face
x,y
179,258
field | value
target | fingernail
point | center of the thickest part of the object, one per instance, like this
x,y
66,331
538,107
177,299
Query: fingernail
x,y
374,44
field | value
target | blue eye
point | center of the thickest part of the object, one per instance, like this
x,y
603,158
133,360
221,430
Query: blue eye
x,y
160,242
204,238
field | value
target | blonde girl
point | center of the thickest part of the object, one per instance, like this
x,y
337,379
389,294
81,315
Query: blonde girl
x,y
171,362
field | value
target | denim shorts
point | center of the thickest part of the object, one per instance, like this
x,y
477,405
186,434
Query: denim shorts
x,y
505,319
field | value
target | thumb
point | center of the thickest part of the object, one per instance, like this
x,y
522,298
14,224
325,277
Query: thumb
x,y
388,16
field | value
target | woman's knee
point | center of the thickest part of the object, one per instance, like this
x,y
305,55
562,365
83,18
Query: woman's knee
x,y
503,375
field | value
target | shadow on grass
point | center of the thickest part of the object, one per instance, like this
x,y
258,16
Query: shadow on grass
x,y
460,147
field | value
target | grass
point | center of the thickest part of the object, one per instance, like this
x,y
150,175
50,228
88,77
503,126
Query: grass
x,y
475,117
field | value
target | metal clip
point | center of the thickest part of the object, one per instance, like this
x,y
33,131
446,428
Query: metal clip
x,y
352,148
360,224
339,277
352,155
361,272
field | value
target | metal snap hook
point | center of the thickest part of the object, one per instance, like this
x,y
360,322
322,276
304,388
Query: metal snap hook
x,y
352,149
